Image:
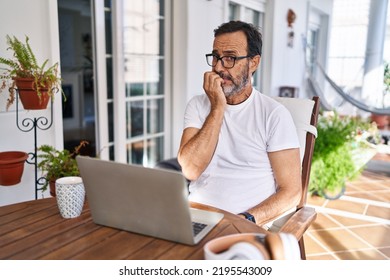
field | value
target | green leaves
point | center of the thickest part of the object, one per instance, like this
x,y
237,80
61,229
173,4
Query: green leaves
x,y
56,164
332,161
386,76
24,64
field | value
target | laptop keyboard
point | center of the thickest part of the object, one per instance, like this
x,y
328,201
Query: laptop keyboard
x,y
197,227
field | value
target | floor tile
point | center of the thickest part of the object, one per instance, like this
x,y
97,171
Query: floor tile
x,y
385,251
315,200
322,257
382,196
347,222
370,254
323,222
376,196
313,247
339,240
380,212
333,237
349,206
378,236
372,176
369,186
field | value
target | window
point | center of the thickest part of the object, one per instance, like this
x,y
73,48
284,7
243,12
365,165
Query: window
x,y
144,62
252,12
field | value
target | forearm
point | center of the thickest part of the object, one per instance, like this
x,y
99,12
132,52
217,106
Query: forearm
x,y
287,172
274,206
197,148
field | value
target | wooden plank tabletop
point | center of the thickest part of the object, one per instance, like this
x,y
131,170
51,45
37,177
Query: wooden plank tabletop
x,y
36,230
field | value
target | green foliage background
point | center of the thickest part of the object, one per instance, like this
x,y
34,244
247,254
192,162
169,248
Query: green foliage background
x,y
332,161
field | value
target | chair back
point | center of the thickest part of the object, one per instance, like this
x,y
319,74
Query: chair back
x,y
305,116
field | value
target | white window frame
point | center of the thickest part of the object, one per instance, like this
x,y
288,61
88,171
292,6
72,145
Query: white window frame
x,y
260,7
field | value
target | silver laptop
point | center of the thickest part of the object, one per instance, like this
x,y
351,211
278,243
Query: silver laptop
x,y
143,200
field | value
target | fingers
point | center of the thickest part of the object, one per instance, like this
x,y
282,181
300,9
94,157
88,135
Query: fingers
x,y
212,82
212,85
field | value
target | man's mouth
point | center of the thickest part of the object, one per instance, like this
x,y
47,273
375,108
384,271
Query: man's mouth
x,y
225,77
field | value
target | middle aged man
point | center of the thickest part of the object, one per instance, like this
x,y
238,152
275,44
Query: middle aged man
x,y
239,148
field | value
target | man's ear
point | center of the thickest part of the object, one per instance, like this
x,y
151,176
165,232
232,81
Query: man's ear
x,y
254,63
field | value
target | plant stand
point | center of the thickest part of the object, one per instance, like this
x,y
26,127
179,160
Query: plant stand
x,y
28,124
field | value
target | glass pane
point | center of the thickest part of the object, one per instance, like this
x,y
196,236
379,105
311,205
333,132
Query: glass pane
x,y
142,27
144,75
110,108
135,152
154,76
252,16
108,26
109,73
111,152
134,89
135,118
155,116
135,74
152,88
154,151
77,72
233,12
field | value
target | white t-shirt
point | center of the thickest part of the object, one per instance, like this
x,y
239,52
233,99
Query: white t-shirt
x,y
239,175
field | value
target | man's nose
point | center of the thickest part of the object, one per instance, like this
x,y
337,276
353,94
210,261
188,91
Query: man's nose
x,y
219,66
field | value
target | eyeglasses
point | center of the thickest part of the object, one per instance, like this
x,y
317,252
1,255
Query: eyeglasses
x,y
227,61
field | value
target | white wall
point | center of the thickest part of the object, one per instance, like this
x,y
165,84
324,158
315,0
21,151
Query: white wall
x,y
287,65
38,19
194,22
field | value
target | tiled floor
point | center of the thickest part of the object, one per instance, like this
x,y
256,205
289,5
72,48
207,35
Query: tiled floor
x,y
357,225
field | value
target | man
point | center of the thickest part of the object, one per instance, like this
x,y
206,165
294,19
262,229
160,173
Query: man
x,y
239,148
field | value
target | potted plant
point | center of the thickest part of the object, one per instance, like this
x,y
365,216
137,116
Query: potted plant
x,y
56,164
11,167
383,121
36,83
341,151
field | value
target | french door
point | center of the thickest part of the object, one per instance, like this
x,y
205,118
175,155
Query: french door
x,y
130,74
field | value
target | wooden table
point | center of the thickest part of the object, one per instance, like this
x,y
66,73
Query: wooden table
x,y
36,230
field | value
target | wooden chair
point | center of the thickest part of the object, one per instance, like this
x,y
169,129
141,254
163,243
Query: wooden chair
x,y
305,115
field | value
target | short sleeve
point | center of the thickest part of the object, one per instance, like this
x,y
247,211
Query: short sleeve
x,y
196,111
282,133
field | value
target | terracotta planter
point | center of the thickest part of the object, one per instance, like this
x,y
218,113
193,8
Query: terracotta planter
x,y
28,94
381,120
52,185
11,167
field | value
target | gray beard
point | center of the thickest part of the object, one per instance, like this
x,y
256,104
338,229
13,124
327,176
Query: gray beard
x,y
235,88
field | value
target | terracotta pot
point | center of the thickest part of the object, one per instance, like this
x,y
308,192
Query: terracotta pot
x,y
28,94
381,120
52,185
11,167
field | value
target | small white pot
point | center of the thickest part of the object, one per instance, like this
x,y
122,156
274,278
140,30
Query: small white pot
x,y
70,194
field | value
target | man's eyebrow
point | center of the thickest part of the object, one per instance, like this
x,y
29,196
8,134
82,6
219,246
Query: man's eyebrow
x,y
224,52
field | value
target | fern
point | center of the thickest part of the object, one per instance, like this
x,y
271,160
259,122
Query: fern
x,y
56,164
24,64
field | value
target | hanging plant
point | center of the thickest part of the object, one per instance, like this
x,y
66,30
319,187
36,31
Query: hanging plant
x,y
34,81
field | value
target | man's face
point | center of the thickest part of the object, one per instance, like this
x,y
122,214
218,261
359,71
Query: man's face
x,y
237,78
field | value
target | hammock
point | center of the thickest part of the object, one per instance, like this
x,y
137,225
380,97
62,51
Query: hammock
x,y
317,91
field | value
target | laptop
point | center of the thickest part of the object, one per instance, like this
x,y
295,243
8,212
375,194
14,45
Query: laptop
x,y
143,200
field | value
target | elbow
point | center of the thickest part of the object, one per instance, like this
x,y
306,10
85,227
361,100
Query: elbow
x,y
190,176
297,196
188,169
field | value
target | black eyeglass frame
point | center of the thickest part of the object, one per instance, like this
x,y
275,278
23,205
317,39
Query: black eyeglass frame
x,y
220,58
